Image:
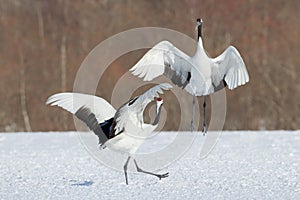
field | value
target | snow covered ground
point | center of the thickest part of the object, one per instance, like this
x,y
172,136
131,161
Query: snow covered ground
x,y
243,165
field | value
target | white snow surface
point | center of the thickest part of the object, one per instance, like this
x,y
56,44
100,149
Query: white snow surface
x,y
243,165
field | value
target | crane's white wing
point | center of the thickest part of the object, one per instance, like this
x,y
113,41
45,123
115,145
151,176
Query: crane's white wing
x,y
132,111
164,59
231,67
73,101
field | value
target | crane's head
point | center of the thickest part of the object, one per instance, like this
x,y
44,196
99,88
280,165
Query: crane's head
x,y
159,103
199,27
199,21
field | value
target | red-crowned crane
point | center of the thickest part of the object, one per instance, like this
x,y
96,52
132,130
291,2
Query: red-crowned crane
x,y
199,75
123,129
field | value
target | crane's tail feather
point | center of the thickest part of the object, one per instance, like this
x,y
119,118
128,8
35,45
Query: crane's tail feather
x,y
89,118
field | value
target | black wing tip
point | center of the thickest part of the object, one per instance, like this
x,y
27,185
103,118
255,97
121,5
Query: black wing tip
x,y
177,78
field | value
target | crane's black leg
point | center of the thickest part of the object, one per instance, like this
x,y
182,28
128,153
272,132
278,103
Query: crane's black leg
x,y
193,114
125,169
160,176
204,130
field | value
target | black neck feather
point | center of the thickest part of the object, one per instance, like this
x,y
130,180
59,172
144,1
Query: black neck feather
x,y
199,31
156,120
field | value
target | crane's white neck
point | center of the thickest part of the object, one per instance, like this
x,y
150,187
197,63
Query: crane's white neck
x,y
158,111
200,50
200,44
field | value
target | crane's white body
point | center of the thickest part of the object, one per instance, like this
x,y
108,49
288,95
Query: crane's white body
x,y
129,141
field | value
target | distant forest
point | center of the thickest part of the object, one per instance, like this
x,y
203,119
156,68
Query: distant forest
x,y
43,44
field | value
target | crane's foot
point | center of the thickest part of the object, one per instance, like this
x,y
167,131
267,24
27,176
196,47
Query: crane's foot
x,y
204,130
160,176
192,126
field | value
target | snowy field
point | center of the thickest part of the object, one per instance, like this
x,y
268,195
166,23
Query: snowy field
x,y
243,165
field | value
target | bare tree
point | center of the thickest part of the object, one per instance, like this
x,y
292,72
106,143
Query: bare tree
x,y
63,59
23,93
40,23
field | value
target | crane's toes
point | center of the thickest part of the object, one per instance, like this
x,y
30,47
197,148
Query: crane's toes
x,y
204,130
160,176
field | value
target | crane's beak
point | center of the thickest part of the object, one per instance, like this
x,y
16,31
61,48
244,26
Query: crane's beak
x,y
199,21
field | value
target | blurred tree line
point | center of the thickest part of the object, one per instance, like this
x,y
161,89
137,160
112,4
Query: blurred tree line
x,y
44,42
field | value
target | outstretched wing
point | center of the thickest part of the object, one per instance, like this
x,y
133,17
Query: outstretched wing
x,y
230,67
102,130
132,111
72,102
164,59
